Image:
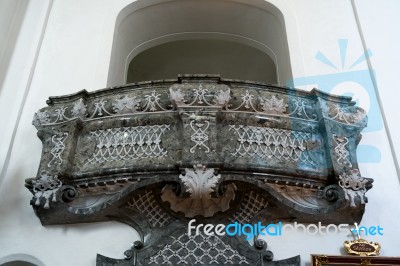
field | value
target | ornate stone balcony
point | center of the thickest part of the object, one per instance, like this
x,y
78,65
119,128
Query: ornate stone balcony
x,y
156,154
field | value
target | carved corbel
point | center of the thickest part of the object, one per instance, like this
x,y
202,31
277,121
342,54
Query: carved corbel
x,y
200,183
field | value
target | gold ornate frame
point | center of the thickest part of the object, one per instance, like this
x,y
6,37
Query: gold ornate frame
x,y
328,260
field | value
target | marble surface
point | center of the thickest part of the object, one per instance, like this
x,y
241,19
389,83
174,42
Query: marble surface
x,y
295,149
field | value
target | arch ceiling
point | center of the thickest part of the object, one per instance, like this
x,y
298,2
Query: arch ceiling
x,y
256,24
229,59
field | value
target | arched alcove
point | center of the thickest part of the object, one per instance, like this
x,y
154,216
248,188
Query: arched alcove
x,y
18,263
144,25
20,260
229,59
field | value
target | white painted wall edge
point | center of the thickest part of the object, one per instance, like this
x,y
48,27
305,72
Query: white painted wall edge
x,y
19,76
378,91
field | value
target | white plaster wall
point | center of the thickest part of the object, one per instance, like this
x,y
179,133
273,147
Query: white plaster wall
x,y
379,27
75,54
20,24
12,14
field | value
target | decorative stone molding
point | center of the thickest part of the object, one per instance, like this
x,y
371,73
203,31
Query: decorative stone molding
x,y
199,96
126,143
273,105
210,249
58,148
353,185
199,135
146,204
253,203
119,154
347,114
179,248
44,188
99,108
200,183
340,150
272,142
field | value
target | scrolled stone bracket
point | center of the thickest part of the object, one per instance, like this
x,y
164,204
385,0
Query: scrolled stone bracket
x,y
68,193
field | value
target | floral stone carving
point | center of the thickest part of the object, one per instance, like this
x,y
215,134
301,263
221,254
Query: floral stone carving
x,y
353,185
200,183
271,152
44,188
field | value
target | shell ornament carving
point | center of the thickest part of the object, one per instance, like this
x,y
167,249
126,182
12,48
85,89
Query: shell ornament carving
x,y
200,182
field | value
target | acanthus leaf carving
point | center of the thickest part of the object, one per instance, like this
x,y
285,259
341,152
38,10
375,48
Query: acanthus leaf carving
x,y
177,97
126,105
79,109
273,105
222,97
41,118
200,182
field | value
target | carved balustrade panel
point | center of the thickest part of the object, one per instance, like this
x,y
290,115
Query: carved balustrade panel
x,y
156,154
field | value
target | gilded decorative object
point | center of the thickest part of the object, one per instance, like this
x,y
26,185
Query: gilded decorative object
x,y
362,247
